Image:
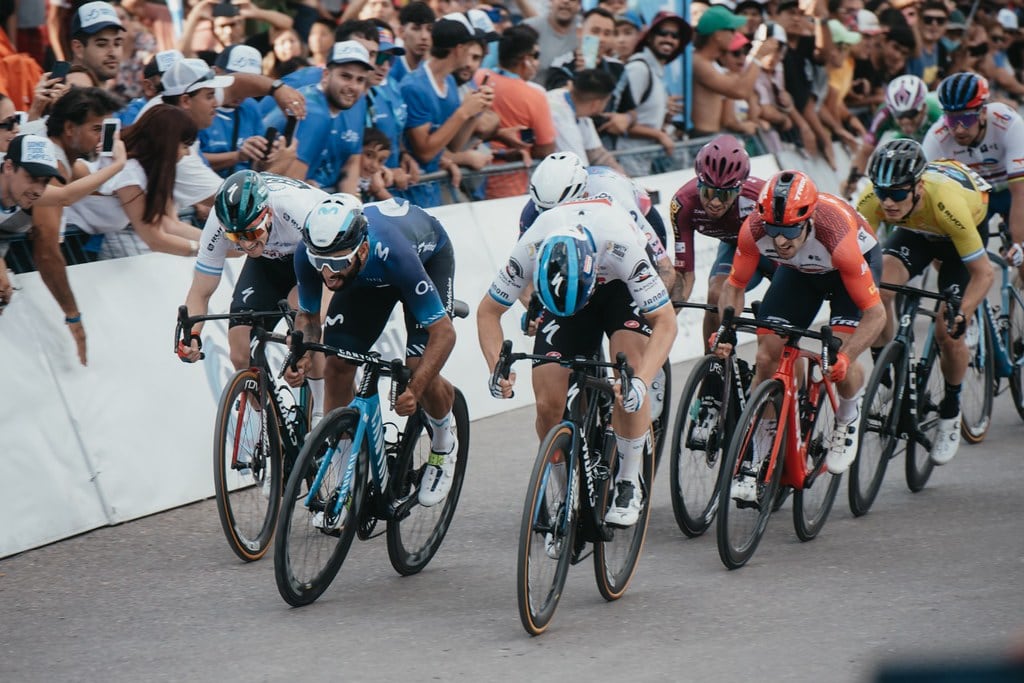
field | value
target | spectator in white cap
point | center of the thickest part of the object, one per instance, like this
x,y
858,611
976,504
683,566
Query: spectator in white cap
x,y
152,85
330,139
97,40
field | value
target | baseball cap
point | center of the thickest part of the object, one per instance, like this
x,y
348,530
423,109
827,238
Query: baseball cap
x,y
349,52
159,63
660,18
754,4
387,42
841,34
719,18
93,17
957,21
240,58
786,4
482,23
37,155
189,75
630,17
1008,19
454,29
867,23
738,42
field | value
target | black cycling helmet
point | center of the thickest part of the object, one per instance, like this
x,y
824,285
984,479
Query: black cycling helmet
x,y
242,201
335,224
964,90
897,163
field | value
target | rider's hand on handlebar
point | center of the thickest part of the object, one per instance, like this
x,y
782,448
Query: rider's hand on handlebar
x,y
1015,255
837,371
502,388
296,377
721,347
192,352
406,403
633,395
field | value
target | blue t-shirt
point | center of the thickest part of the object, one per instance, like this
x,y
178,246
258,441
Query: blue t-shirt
x,y
217,138
425,105
388,113
325,142
307,75
131,111
398,70
402,238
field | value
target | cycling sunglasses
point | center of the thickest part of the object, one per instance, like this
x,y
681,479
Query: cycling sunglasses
x,y
965,118
256,230
335,264
897,194
908,114
790,232
726,195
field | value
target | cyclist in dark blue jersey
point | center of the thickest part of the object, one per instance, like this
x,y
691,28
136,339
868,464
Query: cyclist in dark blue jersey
x,y
372,257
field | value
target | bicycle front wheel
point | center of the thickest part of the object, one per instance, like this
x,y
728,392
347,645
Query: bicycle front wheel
x,y
247,466
547,531
741,523
979,383
699,441
314,531
414,538
878,425
930,389
1015,347
812,503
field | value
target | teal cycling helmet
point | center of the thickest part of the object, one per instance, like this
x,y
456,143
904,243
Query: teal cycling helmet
x,y
243,200
566,271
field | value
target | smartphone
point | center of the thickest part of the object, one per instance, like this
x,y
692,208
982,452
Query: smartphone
x,y
526,135
60,70
289,130
591,47
486,78
110,128
599,120
270,135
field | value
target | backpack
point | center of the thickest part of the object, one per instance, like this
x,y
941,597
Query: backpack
x,y
650,78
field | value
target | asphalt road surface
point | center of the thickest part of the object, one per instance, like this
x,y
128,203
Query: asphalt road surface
x,y
936,576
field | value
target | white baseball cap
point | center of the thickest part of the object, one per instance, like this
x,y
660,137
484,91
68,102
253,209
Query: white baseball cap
x,y
867,23
350,52
190,75
1008,19
241,58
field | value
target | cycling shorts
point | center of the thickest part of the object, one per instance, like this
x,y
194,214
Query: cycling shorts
x,y
262,283
723,265
916,252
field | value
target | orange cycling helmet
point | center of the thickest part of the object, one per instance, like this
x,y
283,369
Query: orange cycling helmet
x,y
787,199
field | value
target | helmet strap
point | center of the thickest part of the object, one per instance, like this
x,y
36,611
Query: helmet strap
x,y
981,133
916,196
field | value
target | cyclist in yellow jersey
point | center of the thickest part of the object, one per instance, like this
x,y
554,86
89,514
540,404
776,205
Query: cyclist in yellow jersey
x,y
934,210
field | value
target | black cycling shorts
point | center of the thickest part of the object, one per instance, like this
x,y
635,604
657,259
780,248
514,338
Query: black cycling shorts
x,y
262,283
916,252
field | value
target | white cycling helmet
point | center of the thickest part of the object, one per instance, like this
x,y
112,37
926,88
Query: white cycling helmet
x,y
560,177
905,95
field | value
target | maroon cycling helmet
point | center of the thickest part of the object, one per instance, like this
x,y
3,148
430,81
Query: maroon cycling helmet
x,y
723,162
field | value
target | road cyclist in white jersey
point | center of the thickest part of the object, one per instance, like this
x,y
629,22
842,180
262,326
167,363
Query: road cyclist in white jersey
x,y
590,265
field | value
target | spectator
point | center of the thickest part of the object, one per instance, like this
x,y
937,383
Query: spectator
x,y
321,40
775,105
501,20
329,139
416,23
556,31
931,63
437,120
571,110
31,38
845,12
376,176
9,128
660,44
886,61
286,56
139,47
741,114
628,26
713,86
228,21
97,40
980,60
152,74
753,12
388,113
134,211
833,112
518,102
473,153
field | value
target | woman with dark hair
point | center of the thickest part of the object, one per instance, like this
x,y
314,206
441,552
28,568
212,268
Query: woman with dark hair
x,y
135,210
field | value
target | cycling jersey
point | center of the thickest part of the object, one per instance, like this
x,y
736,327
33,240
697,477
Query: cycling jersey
x,y
838,239
290,201
953,204
620,248
885,124
998,158
687,214
403,238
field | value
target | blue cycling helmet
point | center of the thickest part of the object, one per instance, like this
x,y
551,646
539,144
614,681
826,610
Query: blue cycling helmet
x,y
565,275
963,90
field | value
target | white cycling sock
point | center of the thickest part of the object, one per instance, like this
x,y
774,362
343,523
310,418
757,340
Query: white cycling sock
x,y
631,455
847,410
316,389
442,440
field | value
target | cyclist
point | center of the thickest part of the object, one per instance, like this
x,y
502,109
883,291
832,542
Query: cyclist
x,y
825,250
590,265
261,215
933,210
988,138
372,257
908,112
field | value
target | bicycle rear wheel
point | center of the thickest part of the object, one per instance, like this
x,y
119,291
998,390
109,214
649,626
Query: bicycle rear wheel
x,y
413,539
312,542
1015,347
812,504
879,420
248,497
547,531
740,523
698,450
930,389
979,383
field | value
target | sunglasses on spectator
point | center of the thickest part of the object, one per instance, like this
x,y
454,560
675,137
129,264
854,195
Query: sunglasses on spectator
x,y
897,194
997,38
790,232
666,33
979,50
384,58
726,195
335,264
934,19
966,119
10,122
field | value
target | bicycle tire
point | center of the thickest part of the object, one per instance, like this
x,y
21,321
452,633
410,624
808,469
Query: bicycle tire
x,y
1015,347
812,505
247,503
321,553
978,388
659,426
740,526
695,465
930,387
537,603
879,420
615,561
408,554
